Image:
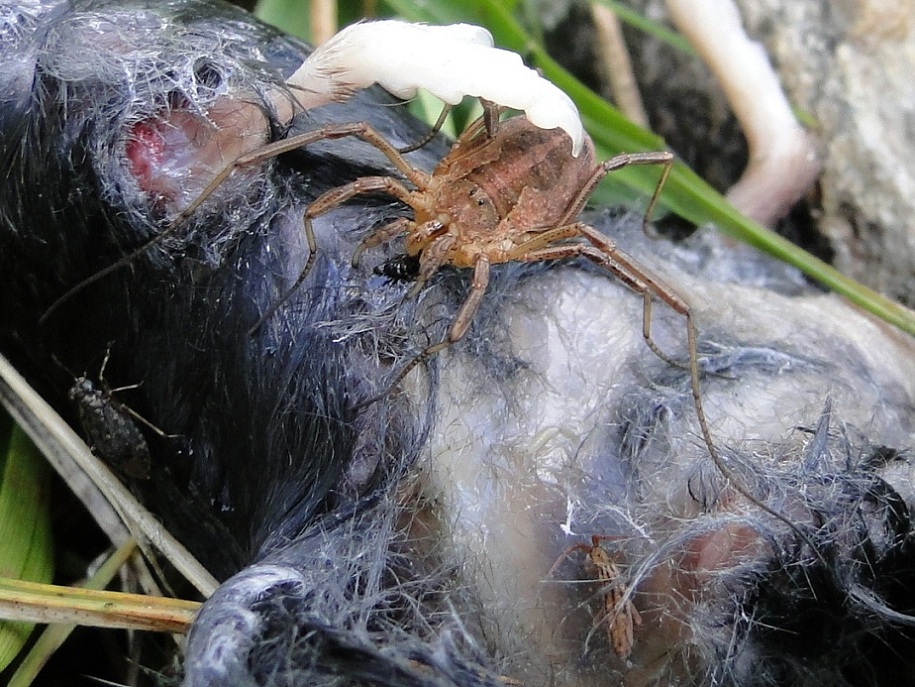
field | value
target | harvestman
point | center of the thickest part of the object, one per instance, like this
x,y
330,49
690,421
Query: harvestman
x,y
506,191
463,219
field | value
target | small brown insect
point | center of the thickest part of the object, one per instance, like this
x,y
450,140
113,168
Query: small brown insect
x,y
618,614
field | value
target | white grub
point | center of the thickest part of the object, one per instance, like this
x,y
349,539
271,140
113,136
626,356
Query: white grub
x,y
783,158
448,61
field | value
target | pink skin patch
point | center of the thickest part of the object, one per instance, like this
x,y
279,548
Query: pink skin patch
x,y
670,593
733,545
144,151
174,157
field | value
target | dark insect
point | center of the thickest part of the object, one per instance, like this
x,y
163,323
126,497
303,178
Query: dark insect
x,y
111,431
111,428
399,269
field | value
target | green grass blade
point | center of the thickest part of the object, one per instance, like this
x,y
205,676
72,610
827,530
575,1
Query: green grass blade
x,y
26,547
291,17
442,12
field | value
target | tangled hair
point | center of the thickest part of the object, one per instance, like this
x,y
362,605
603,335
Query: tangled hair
x,y
411,541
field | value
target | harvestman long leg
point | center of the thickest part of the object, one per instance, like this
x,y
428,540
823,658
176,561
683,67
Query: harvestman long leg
x,y
615,163
327,202
601,250
361,130
604,252
489,120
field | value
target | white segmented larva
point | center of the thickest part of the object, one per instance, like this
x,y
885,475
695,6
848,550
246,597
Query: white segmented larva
x,y
448,61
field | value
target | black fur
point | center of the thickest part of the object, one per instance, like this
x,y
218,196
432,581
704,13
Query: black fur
x,y
302,500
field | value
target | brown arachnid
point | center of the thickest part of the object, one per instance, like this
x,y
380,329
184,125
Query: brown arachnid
x,y
618,613
506,191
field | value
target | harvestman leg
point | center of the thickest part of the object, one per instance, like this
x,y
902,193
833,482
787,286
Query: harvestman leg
x,y
605,253
327,202
471,138
490,120
644,283
461,322
613,164
361,130
388,232
459,325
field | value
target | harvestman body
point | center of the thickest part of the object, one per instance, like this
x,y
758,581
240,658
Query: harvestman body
x,y
506,191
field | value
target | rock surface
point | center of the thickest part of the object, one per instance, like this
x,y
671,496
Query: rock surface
x,y
848,66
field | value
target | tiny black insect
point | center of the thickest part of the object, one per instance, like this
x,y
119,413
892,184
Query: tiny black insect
x,y
400,269
110,429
